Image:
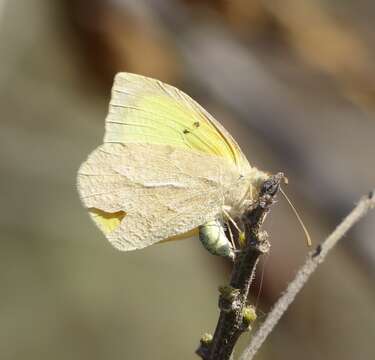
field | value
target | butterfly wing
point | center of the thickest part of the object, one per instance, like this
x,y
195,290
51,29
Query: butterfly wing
x,y
146,111
140,194
164,167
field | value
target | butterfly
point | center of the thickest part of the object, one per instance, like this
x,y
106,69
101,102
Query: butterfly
x,y
166,170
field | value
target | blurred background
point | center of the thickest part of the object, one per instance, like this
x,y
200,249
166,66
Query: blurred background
x,y
292,80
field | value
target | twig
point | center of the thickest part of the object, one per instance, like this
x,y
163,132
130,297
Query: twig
x,y
235,316
314,259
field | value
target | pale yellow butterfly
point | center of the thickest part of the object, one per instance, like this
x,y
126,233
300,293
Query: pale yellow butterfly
x,y
166,168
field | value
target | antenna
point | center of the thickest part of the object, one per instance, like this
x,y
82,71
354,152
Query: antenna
x,y
308,237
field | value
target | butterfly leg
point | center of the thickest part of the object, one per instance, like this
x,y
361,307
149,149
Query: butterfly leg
x,y
241,234
231,237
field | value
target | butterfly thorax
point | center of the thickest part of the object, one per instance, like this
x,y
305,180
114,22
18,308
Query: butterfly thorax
x,y
245,192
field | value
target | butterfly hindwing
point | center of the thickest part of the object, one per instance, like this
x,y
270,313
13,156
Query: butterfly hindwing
x,y
141,194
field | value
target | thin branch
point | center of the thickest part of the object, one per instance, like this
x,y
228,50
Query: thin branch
x,y
314,259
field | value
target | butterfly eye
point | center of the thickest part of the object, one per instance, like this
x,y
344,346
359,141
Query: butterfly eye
x,y
270,187
272,184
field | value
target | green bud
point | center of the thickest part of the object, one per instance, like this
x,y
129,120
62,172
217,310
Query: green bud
x,y
249,314
242,239
206,339
228,292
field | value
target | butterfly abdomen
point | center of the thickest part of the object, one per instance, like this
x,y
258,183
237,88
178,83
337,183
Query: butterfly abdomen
x,y
213,238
